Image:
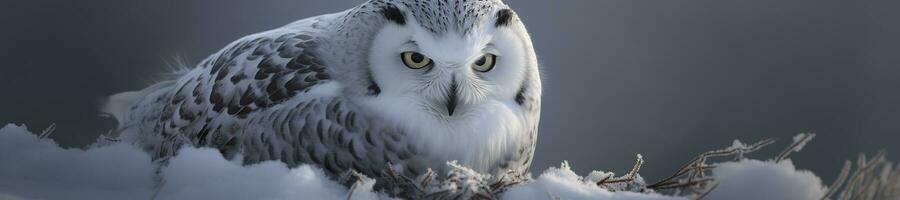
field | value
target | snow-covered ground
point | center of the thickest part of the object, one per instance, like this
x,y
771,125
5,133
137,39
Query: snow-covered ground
x,y
35,168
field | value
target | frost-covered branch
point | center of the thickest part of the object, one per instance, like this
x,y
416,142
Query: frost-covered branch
x,y
693,175
839,181
800,141
630,177
873,179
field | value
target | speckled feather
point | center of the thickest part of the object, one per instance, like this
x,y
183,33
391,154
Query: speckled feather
x,y
290,94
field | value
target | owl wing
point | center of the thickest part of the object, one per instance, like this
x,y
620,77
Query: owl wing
x,y
267,96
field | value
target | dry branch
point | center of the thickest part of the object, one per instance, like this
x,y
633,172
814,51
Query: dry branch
x,y
47,131
799,141
867,182
630,177
873,179
692,176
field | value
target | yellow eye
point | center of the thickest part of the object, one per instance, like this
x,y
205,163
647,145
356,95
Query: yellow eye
x,y
415,60
485,63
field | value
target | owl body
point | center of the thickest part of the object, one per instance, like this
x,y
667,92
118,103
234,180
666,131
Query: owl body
x,y
353,91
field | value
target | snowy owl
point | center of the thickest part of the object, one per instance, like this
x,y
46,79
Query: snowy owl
x,y
414,83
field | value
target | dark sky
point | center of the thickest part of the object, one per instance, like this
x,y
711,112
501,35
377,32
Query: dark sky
x,y
667,79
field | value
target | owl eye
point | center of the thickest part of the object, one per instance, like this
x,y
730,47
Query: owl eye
x,y
415,60
485,63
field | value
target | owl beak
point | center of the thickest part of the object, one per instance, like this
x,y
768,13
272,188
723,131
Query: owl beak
x,y
452,97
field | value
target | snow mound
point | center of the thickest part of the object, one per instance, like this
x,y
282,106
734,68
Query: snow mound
x,y
754,179
205,174
38,169
563,183
34,167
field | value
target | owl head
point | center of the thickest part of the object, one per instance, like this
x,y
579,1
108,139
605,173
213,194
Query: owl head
x,y
450,60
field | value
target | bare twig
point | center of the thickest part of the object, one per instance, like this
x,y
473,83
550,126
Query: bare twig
x,y
360,179
840,180
48,131
799,141
631,176
867,182
693,174
684,184
509,179
706,193
857,182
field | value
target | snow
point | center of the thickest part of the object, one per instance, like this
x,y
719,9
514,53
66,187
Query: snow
x,y
35,168
205,174
32,167
754,179
563,183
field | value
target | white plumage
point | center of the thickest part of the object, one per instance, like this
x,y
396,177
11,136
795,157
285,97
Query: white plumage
x,y
411,82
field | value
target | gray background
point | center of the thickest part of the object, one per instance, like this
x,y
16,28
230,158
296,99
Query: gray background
x,y
667,79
